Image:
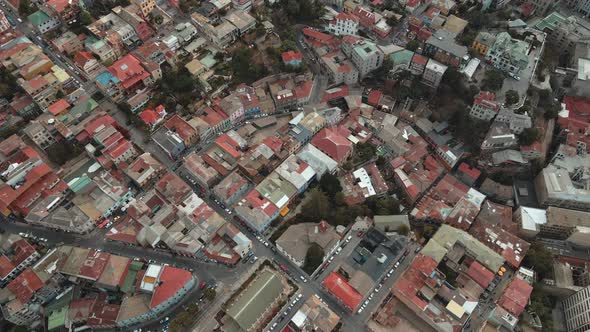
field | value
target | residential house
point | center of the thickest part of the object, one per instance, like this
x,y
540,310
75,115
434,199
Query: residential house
x,y
484,106
483,42
68,43
433,73
295,242
169,141
443,48
42,22
343,24
365,55
508,54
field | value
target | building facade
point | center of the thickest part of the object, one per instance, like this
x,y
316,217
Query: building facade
x,y
576,309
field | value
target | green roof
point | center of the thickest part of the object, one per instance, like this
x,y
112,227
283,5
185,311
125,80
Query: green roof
x,y
38,18
79,183
208,61
129,282
447,236
256,299
403,57
57,319
365,49
58,309
550,21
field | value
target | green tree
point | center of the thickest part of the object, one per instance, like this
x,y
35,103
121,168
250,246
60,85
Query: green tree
x,y
339,199
86,18
413,45
25,8
383,72
392,21
210,294
313,258
493,80
330,184
539,259
428,231
403,230
382,205
244,68
61,152
511,97
317,207
529,136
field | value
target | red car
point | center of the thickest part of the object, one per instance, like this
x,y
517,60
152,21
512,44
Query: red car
x,y
283,267
202,285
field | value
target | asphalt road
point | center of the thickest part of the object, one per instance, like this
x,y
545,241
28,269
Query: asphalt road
x,y
202,271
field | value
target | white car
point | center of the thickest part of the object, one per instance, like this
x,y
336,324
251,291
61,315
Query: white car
x,y
360,310
266,244
338,250
299,296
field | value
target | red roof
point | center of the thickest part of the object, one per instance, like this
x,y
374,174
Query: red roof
x,y
103,120
345,16
58,107
274,143
6,266
472,172
342,290
213,117
128,70
228,145
178,125
291,55
424,34
150,116
339,92
419,59
480,274
259,202
25,285
516,296
527,9
173,188
94,264
414,278
82,57
122,147
59,5
170,282
319,36
333,142
21,250
374,97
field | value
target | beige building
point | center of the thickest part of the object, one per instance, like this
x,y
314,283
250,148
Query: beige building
x,y
295,242
145,6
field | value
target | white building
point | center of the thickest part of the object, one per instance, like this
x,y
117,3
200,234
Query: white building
x,y
433,73
516,122
365,55
343,24
4,24
576,309
484,106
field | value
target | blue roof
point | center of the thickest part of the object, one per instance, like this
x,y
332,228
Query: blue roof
x,y
105,78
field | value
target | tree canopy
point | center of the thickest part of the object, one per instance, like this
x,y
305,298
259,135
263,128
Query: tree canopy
x,y
529,136
511,97
317,207
493,80
330,184
539,259
313,258
243,67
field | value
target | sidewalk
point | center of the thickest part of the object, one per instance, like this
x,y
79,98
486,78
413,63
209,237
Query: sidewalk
x,y
224,293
